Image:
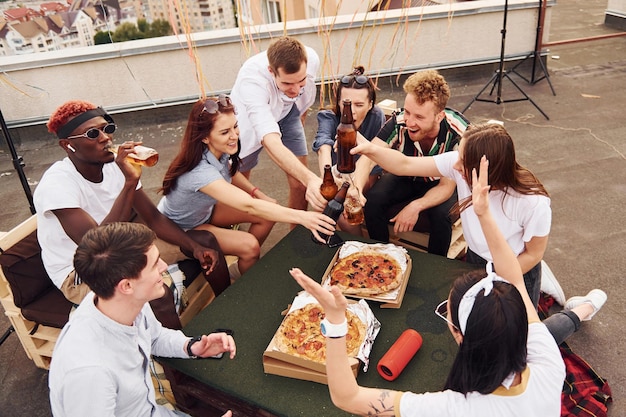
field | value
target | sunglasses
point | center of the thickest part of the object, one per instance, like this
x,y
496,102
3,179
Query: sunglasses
x,y
212,106
359,79
442,311
94,132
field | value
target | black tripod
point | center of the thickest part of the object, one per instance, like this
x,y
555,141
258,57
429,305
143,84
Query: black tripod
x,y
18,164
536,54
501,73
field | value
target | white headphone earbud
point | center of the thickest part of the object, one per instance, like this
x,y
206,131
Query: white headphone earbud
x,y
71,148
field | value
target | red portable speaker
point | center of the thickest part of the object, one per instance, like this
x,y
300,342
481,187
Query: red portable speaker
x,y
399,354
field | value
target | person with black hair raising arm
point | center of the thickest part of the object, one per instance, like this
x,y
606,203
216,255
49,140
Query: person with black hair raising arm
x,y
507,362
204,190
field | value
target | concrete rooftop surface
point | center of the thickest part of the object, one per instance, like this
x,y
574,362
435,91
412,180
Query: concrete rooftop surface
x,y
579,154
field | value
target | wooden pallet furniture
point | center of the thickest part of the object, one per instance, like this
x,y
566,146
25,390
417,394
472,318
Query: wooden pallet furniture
x,y
36,309
419,240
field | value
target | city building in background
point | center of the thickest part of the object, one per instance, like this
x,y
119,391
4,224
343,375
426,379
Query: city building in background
x,y
30,27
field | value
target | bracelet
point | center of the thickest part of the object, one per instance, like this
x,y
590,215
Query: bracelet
x,y
191,342
254,190
334,331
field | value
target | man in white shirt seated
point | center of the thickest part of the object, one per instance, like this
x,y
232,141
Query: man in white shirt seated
x,y
100,364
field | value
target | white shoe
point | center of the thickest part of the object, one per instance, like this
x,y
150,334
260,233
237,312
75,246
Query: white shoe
x,y
550,285
595,297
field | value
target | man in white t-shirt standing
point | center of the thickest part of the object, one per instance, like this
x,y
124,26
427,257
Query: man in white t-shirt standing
x,y
272,93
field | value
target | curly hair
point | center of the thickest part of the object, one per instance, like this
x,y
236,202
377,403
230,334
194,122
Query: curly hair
x,y
67,111
427,86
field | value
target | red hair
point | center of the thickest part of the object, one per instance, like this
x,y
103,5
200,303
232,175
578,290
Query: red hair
x,y
67,111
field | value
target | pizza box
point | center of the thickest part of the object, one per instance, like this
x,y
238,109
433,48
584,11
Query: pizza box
x,y
395,302
281,363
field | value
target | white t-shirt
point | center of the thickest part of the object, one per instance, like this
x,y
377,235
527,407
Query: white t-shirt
x,y
62,186
259,102
538,395
520,217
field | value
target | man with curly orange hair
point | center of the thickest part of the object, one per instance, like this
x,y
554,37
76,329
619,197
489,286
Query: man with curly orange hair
x,y
93,186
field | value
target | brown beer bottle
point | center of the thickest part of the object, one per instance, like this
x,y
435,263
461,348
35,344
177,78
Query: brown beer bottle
x,y
333,209
346,139
328,187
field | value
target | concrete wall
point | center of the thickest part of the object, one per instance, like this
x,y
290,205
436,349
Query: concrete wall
x,y
615,14
159,72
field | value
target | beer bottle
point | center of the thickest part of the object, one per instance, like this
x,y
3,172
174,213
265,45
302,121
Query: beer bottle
x,y
333,209
346,137
329,187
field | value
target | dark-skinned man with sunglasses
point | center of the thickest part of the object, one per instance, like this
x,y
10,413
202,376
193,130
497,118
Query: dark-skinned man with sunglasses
x,y
94,186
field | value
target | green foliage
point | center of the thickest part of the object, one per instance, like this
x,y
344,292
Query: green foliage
x,y
129,31
160,27
101,38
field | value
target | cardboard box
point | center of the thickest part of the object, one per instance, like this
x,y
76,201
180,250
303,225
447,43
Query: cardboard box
x,y
283,364
386,303
388,106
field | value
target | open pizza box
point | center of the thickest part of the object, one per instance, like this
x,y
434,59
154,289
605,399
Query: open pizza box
x,y
392,299
280,363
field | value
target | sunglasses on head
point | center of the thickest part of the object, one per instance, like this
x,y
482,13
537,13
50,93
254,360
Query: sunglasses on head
x,y
359,79
94,132
212,106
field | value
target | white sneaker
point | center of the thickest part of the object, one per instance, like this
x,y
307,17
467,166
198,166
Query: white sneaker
x,y
595,297
550,285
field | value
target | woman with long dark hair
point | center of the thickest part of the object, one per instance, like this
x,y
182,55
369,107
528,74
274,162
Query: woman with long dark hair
x,y
203,188
508,364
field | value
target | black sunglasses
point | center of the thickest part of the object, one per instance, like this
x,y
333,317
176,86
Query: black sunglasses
x,y
212,106
360,79
94,132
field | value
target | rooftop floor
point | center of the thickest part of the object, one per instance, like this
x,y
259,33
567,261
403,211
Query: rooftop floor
x,y
579,154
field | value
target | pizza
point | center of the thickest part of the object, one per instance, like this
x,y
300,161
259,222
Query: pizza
x,y
299,334
366,273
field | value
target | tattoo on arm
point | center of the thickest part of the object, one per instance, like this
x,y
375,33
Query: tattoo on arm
x,y
384,405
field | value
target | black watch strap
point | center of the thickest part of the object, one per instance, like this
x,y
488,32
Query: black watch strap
x,y
190,343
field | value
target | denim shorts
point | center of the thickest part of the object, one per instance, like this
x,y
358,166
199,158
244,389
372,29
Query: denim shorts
x,y
292,136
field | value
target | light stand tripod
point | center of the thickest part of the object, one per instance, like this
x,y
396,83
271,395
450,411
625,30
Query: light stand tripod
x,y
536,54
496,80
18,164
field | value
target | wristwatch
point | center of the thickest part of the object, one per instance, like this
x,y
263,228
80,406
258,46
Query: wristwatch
x,y
334,331
191,342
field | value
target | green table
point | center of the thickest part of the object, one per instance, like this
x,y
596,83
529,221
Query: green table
x,y
252,307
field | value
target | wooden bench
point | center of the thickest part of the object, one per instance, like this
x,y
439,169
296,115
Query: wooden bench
x,y
35,307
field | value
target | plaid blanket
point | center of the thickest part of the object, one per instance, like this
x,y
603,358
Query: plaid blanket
x,y
585,393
